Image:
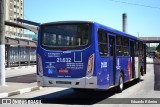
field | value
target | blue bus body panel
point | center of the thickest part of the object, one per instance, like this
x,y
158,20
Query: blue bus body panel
x,y
103,73
69,64
123,63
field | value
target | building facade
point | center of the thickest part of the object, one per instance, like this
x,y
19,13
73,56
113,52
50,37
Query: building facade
x,y
14,10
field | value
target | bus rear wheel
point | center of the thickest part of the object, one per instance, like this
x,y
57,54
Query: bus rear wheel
x,y
120,83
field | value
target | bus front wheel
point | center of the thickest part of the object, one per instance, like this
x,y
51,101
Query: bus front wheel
x,y
120,83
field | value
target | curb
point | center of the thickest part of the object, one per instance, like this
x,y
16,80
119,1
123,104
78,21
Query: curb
x,y
20,91
20,67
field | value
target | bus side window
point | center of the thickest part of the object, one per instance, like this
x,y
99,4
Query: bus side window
x,y
122,46
125,46
137,49
141,48
119,48
103,43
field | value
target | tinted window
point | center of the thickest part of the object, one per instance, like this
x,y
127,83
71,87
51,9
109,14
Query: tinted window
x,y
119,40
141,48
103,43
136,49
70,35
122,46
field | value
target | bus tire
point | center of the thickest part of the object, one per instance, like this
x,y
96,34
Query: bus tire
x,y
120,83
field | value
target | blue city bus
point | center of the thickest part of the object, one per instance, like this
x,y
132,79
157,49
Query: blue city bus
x,y
87,55
152,54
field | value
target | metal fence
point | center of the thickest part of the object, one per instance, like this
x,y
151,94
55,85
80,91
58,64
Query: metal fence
x,y
20,55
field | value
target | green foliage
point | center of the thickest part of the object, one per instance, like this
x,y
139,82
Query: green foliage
x,y
157,53
35,38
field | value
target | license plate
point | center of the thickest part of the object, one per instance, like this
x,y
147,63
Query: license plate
x,y
63,82
63,70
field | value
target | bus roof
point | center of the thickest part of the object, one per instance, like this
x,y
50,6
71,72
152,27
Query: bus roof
x,y
117,31
98,24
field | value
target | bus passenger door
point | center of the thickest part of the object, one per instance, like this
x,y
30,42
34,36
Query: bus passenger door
x,y
112,63
144,57
132,55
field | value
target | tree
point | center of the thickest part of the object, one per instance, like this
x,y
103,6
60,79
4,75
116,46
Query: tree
x,y
35,38
158,48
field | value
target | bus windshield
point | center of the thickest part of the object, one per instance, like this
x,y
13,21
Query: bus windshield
x,y
65,35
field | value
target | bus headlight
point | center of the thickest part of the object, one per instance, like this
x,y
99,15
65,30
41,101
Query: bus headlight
x,y
90,66
40,68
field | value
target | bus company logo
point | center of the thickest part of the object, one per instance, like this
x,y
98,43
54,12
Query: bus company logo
x,y
118,64
108,77
103,64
